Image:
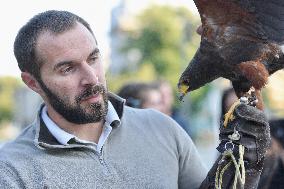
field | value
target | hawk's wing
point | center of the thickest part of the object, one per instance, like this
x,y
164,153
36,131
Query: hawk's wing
x,y
250,19
236,31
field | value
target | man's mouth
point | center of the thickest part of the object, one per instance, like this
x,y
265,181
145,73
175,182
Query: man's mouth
x,y
91,95
92,98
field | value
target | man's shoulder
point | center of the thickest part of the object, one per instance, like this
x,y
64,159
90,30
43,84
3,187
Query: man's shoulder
x,y
156,127
23,142
145,114
151,119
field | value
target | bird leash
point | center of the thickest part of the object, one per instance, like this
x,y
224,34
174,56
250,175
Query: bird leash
x,y
249,99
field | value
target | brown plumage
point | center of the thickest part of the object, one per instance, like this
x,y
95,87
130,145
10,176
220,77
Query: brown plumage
x,y
240,41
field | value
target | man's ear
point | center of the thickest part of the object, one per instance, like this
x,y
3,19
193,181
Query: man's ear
x,y
31,82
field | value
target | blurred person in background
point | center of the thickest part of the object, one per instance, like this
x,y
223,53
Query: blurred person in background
x,y
167,99
141,95
273,172
167,104
85,137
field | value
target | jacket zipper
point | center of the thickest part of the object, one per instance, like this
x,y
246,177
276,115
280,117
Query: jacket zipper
x,y
103,163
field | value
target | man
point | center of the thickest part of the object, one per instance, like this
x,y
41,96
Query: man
x,y
84,136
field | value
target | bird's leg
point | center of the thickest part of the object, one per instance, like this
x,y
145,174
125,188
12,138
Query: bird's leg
x,y
255,72
258,100
253,98
260,104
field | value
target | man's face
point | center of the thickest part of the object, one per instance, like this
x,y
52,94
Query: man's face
x,y
72,76
152,100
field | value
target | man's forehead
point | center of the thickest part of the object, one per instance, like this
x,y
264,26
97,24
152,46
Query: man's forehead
x,y
77,28
73,37
74,45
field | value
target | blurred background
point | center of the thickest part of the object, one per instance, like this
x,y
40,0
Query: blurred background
x,y
140,41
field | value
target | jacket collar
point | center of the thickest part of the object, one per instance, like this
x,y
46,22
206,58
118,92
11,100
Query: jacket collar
x,y
44,139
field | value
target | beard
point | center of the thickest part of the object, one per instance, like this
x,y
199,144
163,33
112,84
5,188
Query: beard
x,y
75,112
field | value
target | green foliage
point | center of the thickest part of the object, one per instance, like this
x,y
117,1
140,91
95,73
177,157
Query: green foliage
x,y
8,85
163,36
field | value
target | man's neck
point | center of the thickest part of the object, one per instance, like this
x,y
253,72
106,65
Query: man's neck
x,y
89,132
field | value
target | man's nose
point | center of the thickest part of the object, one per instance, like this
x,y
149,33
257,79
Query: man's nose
x,y
89,75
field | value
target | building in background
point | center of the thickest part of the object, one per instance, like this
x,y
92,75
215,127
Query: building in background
x,y
122,20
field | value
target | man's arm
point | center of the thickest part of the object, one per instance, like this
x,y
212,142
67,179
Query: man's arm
x,y
191,168
9,178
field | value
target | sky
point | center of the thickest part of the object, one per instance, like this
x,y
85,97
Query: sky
x,y
15,13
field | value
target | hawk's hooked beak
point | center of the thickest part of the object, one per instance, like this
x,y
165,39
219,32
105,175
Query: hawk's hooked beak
x,y
202,69
182,90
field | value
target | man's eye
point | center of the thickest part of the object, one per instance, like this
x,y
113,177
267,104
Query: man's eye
x,y
94,58
68,69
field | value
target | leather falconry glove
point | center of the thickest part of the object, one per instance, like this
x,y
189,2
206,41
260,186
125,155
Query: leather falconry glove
x,y
247,131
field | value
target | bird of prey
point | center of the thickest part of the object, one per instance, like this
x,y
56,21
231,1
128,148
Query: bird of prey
x,y
240,40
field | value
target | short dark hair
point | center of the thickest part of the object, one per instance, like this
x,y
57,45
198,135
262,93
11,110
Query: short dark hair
x,y
26,39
